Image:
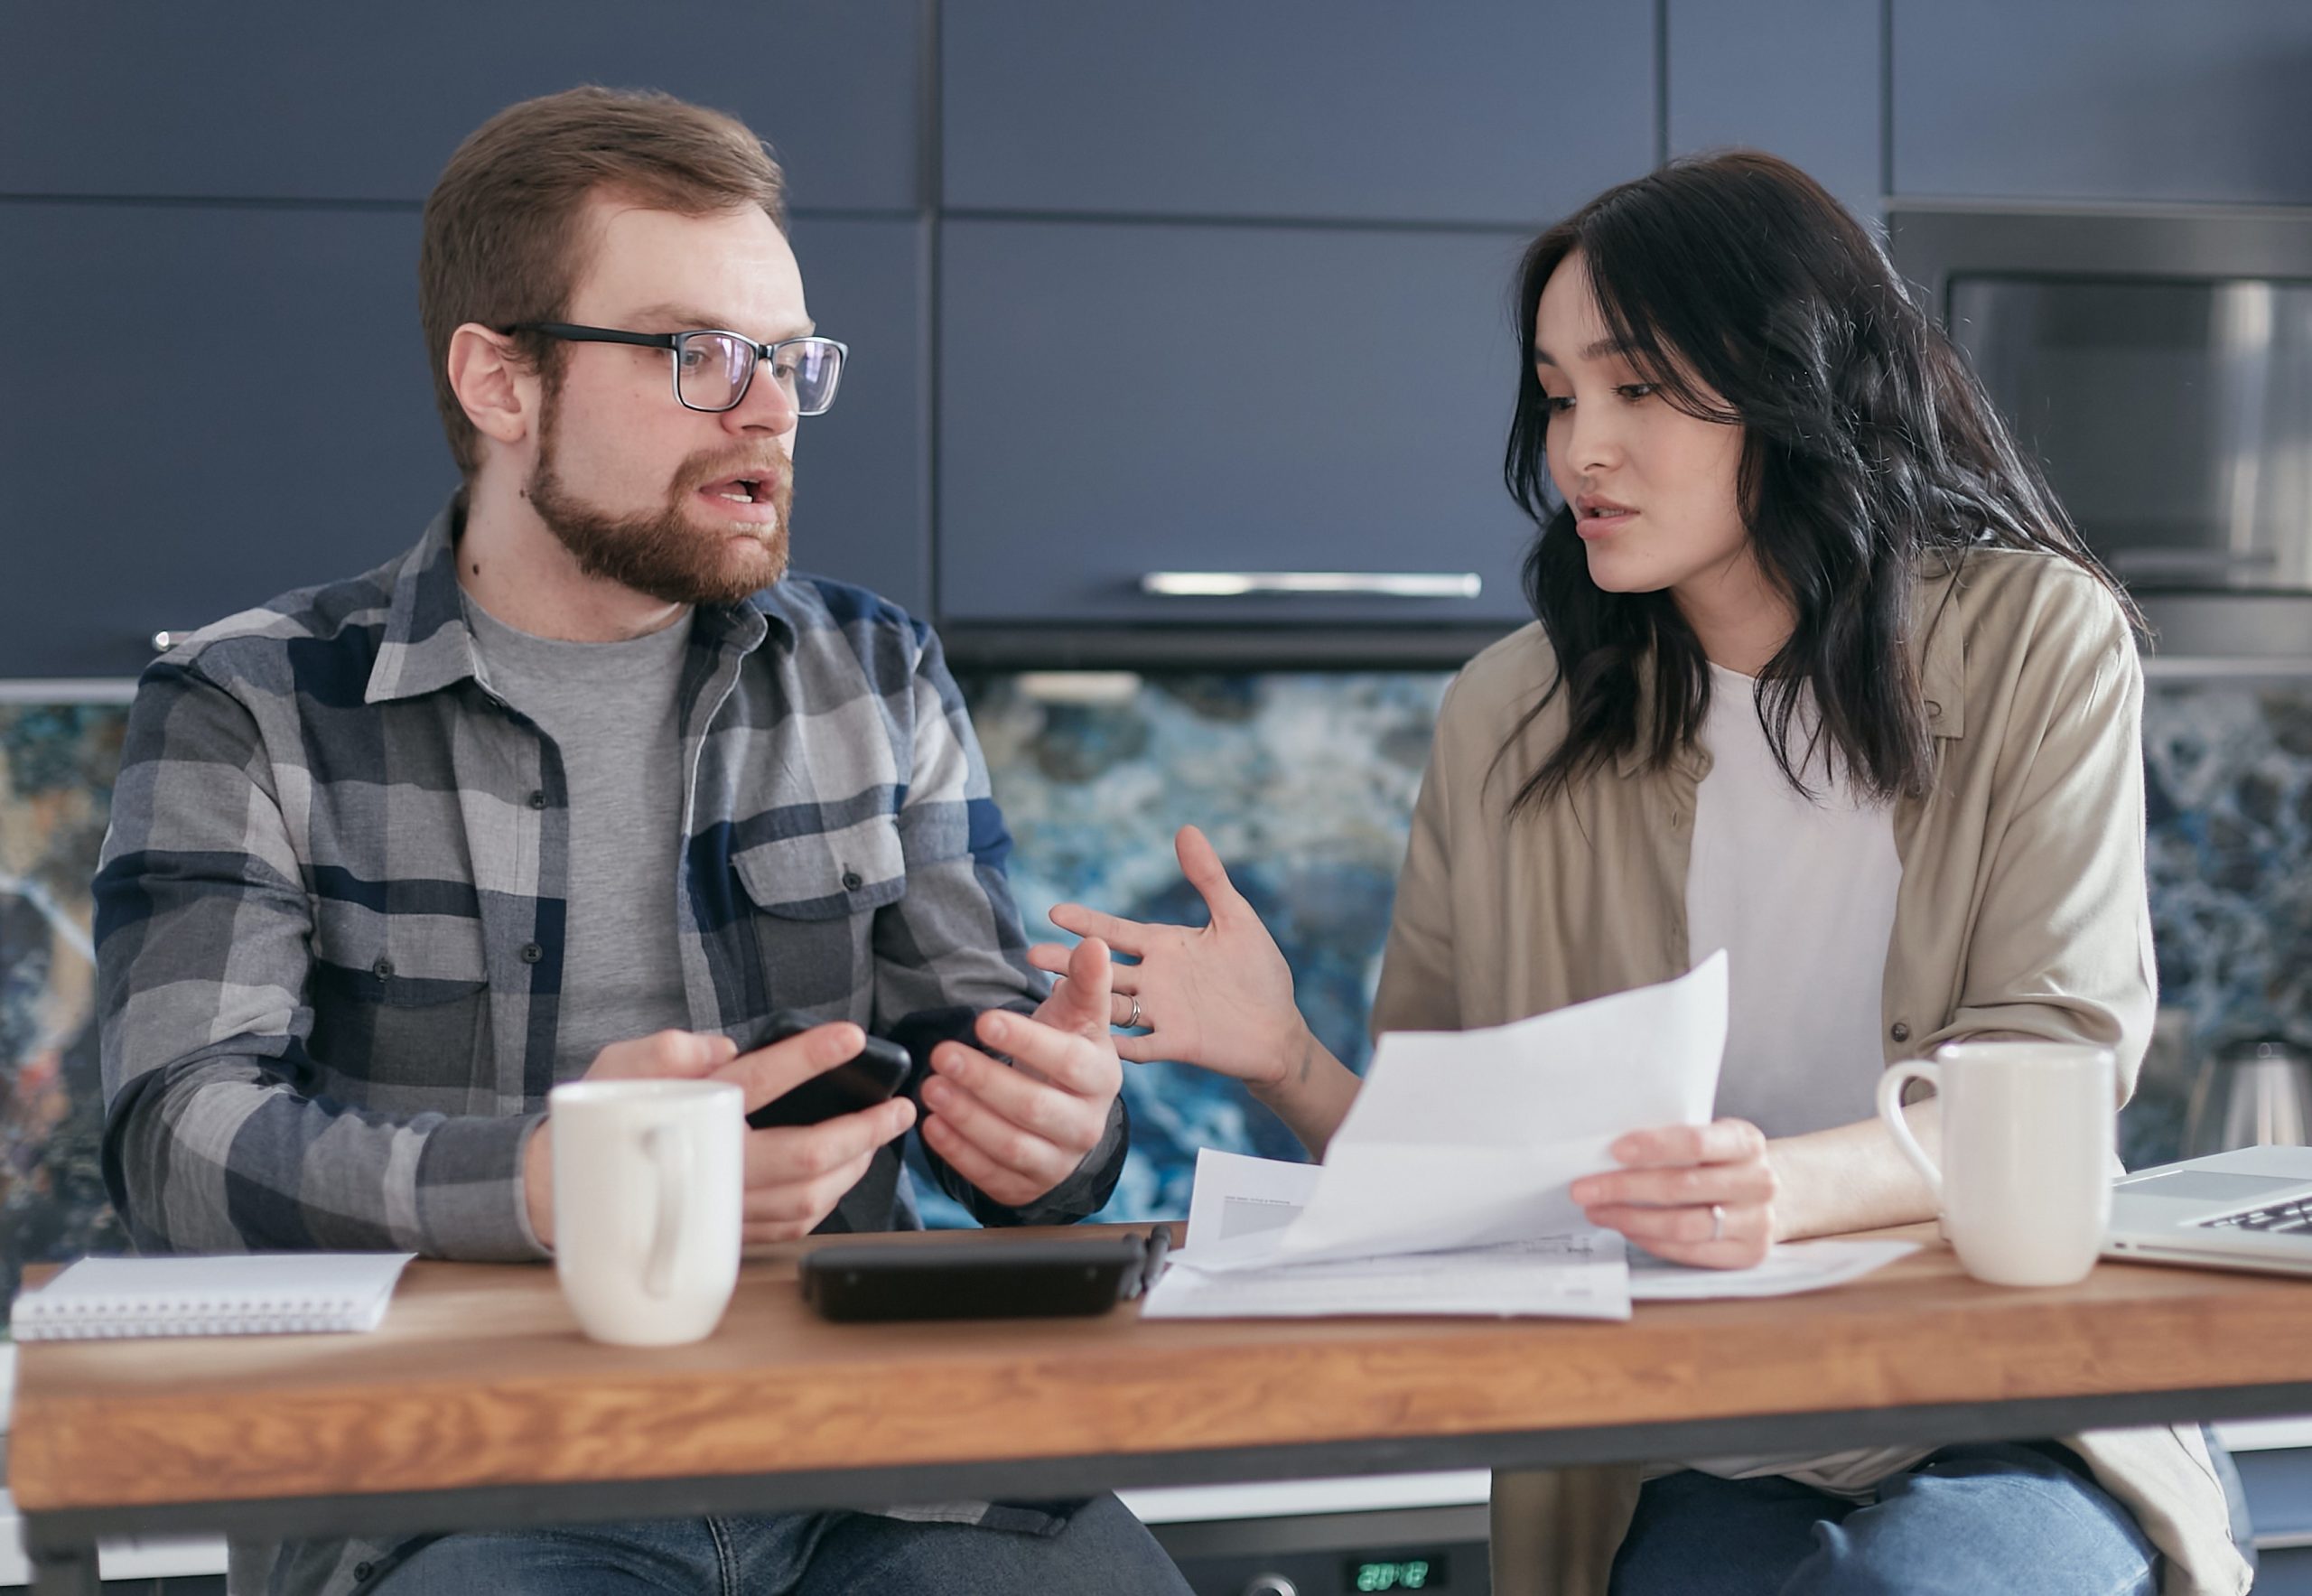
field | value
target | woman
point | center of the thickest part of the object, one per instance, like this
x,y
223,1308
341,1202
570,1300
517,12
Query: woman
x,y
1821,674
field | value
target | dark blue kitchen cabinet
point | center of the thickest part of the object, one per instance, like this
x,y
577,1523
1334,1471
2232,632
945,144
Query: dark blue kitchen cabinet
x,y
862,483
284,99
1492,111
208,404
2285,1571
2103,99
1123,399
215,384
205,406
2279,1486
1800,78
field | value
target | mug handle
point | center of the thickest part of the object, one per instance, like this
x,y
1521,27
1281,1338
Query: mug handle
x,y
1890,1109
662,1145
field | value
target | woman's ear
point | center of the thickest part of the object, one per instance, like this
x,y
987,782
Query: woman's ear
x,y
497,391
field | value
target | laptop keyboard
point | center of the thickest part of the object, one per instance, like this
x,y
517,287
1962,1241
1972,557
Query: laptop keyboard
x,y
2286,1219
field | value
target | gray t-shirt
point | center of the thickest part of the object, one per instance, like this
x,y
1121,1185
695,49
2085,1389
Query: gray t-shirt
x,y
611,709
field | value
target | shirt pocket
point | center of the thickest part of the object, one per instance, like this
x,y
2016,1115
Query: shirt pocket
x,y
815,899
400,1010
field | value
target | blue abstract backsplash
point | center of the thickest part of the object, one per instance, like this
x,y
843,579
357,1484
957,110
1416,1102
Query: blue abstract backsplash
x,y
57,764
2229,795
1304,782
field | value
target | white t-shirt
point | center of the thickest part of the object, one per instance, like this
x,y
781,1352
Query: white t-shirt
x,y
1800,893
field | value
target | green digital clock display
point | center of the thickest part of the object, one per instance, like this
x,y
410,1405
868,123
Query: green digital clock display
x,y
1397,1574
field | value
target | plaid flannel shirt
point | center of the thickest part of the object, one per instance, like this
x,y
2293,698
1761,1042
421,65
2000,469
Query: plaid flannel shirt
x,y
329,909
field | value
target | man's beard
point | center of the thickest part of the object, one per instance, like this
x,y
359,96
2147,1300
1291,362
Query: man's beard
x,y
665,553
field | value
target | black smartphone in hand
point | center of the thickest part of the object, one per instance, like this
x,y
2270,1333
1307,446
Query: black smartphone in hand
x,y
868,1078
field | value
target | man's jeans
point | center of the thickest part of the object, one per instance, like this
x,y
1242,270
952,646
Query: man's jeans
x,y
1102,1548
1970,1519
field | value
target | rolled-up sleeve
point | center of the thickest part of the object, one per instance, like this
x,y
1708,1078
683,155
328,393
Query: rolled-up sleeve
x,y
953,944
2060,939
213,1139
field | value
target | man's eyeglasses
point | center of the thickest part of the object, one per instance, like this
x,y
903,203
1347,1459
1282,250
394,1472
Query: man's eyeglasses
x,y
713,368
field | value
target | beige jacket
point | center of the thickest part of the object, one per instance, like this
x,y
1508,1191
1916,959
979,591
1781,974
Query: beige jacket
x,y
2022,909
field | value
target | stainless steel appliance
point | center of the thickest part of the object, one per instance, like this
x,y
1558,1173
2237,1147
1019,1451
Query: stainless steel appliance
x,y
2158,360
1439,1549
2251,1094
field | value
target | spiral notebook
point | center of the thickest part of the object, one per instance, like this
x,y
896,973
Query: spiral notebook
x,y
250,1294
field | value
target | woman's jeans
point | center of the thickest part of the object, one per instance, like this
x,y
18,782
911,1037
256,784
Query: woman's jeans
x,y
1968,1520
1102,1548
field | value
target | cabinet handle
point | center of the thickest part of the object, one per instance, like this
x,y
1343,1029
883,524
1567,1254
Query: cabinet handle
x,y
1386,585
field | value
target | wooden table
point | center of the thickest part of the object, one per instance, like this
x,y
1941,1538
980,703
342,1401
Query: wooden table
x,y
478,1404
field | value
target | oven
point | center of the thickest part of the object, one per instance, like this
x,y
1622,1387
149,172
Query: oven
x,y
2158,362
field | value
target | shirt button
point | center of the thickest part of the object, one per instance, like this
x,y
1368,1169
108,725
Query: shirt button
x,y
538,799
1900,1032
853,881
382,969
360,1571
532,952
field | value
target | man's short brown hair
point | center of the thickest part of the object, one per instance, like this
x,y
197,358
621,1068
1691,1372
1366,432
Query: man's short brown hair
x,y
502,243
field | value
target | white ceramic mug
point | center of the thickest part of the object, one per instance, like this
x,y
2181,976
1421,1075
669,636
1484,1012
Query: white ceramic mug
x,y
648,1183
2026,1181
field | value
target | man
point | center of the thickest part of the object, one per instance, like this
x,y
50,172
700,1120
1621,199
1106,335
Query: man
x,y
581,787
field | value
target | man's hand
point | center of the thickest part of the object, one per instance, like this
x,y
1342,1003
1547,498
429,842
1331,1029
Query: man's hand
x,y
795,1175
664,1055
1016,1131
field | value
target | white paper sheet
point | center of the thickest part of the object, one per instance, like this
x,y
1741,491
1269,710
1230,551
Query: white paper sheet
x,y
1790,1268
1465,1226
1468,1138
1236,1196
1568,1276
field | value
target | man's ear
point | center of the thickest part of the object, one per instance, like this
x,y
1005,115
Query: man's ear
x,y
497,391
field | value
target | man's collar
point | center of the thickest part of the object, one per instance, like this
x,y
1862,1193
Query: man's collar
x,y
427,645
764,614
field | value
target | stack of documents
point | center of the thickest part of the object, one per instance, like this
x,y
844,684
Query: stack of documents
x,y
1445,1189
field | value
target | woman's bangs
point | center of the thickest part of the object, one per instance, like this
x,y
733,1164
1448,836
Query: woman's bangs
x,y
1636,298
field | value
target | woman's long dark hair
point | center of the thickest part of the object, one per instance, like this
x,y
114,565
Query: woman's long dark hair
x,y
1868,448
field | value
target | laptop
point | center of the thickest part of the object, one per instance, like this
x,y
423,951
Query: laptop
x,y
2248,1209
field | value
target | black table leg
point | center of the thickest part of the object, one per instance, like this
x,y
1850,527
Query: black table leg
x,y
58,1572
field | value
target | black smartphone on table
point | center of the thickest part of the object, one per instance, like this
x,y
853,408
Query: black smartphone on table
x,y
869,1077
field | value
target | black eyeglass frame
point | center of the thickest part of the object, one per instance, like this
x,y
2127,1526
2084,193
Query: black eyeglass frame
x,y
672,342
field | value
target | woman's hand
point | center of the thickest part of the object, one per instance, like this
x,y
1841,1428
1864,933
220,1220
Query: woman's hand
x,y
1219,996
1692,1194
